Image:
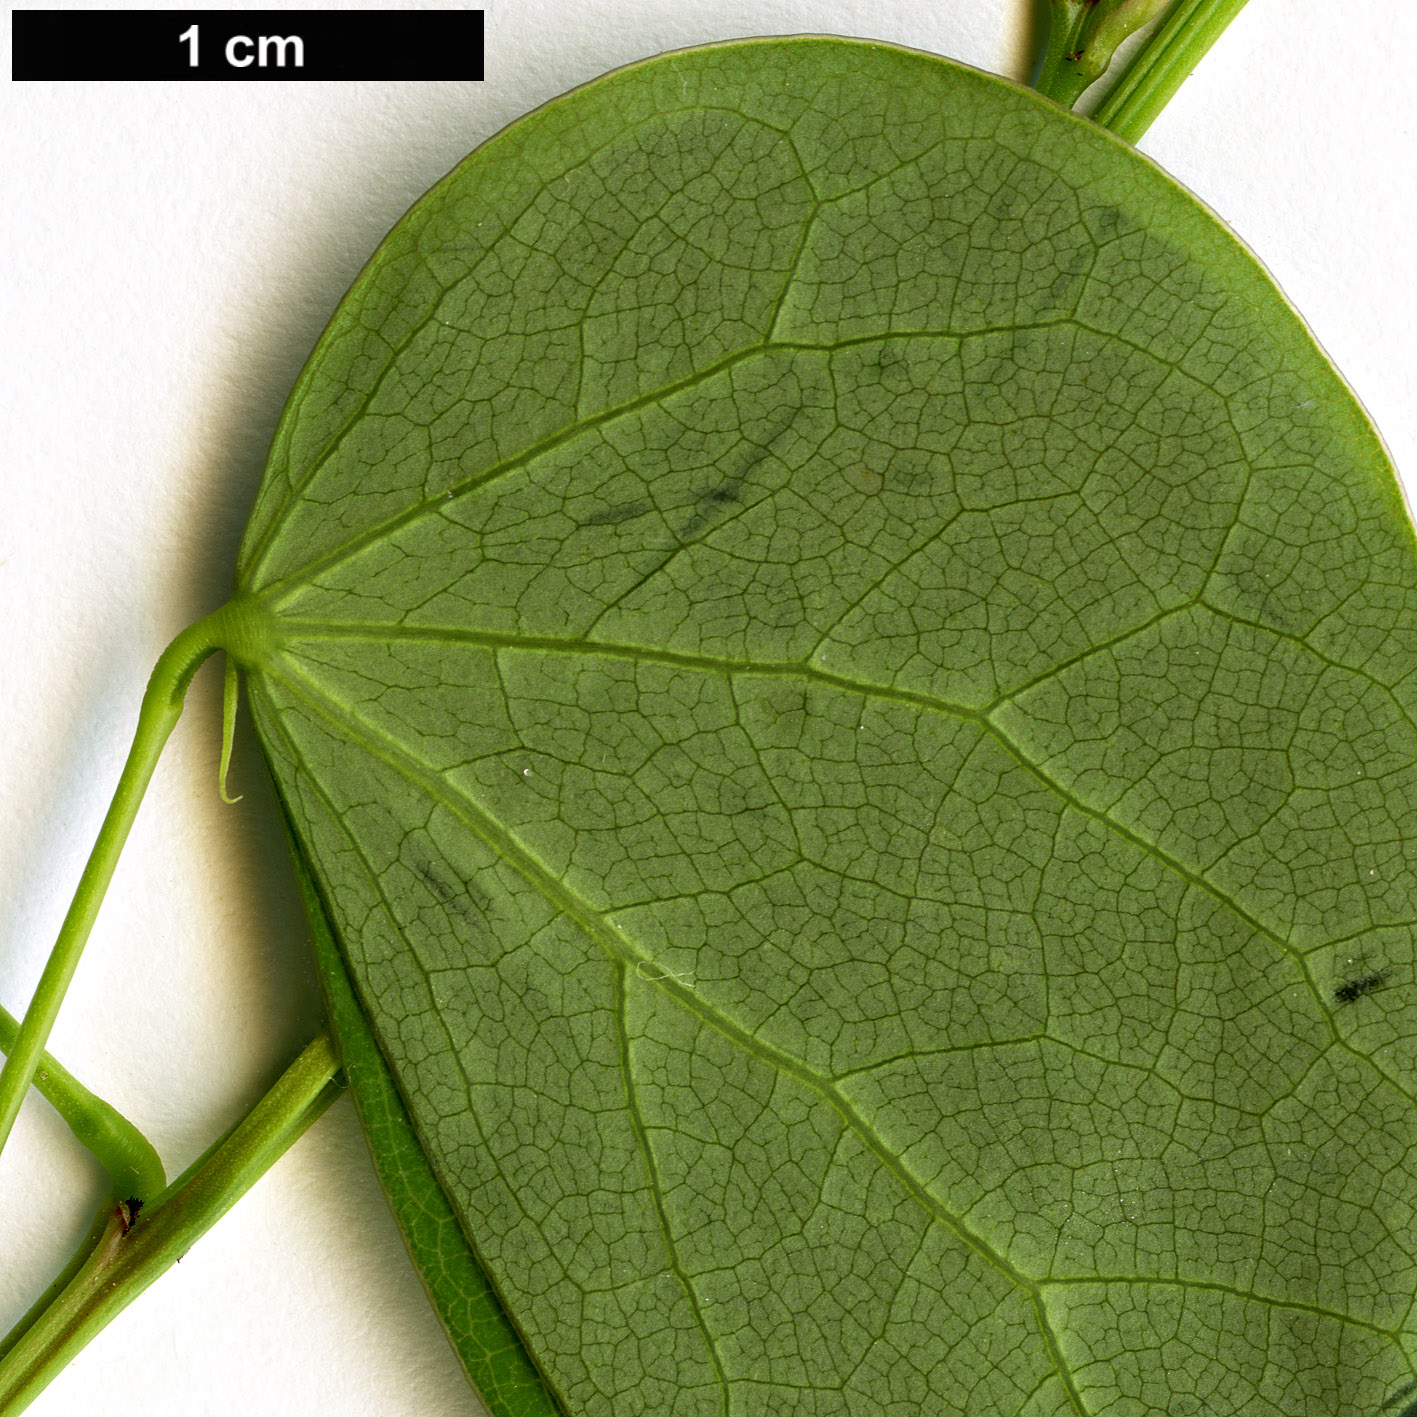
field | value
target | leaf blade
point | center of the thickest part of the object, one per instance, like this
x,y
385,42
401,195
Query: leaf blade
x,y
765,724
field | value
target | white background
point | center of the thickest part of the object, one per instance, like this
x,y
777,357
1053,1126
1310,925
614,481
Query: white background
x,y
169,254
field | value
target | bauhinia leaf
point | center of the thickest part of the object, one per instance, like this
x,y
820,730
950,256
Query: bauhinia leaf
x,y
843,664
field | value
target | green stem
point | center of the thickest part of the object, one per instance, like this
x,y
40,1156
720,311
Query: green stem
x,y
131,1253
1162,65
122,1150
1066,21
162,705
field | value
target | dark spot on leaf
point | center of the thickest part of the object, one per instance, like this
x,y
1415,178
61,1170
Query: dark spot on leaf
x,y
706,509
1105,223
462,899
1361,984
1404,1391
617,515
440,888
469,905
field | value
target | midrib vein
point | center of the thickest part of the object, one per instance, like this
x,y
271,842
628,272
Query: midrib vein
x,y
983,718
622,951
297,487
293,580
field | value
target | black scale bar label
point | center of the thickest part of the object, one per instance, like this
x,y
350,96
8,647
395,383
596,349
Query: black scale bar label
x,y
152,45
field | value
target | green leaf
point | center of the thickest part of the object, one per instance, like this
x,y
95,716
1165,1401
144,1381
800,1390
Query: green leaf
x,y
843,664
490,1348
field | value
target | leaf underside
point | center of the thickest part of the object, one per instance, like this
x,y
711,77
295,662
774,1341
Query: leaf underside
x,y
844,666
491,1350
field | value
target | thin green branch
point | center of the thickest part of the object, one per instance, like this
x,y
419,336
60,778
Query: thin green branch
x,y
130,1159
1082,40
131,1252
1066,21
235,625
1162,64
